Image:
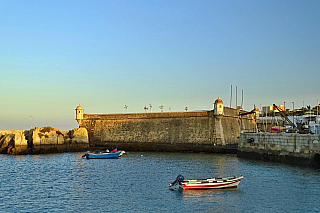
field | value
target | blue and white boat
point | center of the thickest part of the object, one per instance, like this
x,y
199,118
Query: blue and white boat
x,y
103,155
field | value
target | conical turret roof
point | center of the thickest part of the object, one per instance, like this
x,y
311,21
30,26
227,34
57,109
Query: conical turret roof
x,y
79,107
218,101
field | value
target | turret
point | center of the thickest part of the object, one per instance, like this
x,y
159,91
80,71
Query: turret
x,y
218,107
79,114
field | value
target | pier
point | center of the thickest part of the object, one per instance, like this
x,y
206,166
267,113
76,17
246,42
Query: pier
x,y
293,148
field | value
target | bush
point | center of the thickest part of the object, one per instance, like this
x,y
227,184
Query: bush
x,y
46,129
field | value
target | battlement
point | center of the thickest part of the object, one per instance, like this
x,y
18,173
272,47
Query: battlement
x,y
152,115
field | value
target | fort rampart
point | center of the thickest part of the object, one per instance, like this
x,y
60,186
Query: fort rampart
x,y
167,131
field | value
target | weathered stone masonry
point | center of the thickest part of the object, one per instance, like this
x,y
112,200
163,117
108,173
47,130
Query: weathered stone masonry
x,y
303,149
166,131
170,128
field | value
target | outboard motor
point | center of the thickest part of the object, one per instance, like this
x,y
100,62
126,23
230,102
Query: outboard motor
x,y
86,154
179,179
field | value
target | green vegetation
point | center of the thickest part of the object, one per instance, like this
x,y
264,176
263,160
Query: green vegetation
x,y
46,129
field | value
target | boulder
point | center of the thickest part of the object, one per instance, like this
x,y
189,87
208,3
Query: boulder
x,y
47,136
20,139
6,141
11,139
79,135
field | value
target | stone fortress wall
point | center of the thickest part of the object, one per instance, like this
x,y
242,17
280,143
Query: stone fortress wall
x,y
210,131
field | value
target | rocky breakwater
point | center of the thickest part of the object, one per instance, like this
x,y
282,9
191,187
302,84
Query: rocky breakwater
x,y
43,140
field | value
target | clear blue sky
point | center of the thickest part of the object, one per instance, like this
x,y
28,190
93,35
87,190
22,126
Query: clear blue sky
x,y
108,54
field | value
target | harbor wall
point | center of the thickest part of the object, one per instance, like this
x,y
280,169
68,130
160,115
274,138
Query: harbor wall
x,y
294,148
43,140
168,131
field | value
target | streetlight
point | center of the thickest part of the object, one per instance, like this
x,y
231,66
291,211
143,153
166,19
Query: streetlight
x,y
31,121
161,108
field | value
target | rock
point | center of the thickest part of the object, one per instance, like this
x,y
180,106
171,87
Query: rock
x,y
6,141
36,136
9,139
52,136
20,139
79,135
47,136
43,140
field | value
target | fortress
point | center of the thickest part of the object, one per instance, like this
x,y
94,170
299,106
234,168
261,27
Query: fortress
x,y
215,130
221,130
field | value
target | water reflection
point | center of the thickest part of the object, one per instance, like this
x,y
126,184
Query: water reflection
x,y
208,192
218,199
207,200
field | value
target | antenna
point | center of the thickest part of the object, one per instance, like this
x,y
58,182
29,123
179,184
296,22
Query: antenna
x,y
231,96
317,111
236,96
242,100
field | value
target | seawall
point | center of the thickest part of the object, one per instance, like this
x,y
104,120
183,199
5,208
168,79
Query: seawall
x,y
293,148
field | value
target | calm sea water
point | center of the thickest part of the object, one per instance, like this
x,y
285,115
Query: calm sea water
x,y
138,182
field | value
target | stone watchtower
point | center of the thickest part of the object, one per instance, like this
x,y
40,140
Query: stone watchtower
x,y
218,135
79,114
218,107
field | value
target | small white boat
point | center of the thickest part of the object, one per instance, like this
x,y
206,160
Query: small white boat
x,y
210,183
103,155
